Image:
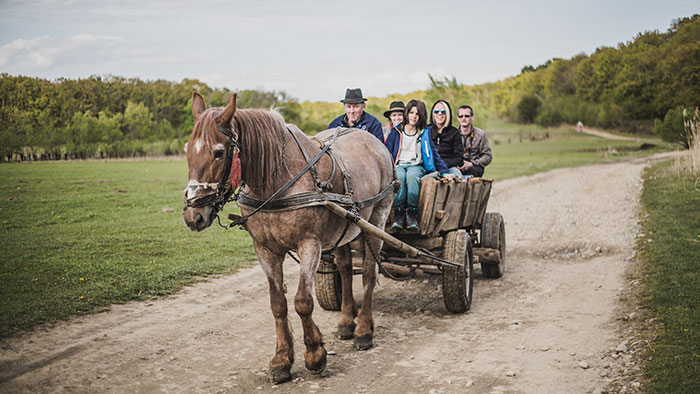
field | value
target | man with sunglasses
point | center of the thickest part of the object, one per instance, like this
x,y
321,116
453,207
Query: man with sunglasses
x,y
355,115
476,149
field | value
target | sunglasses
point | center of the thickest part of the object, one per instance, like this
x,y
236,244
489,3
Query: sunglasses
x,y
464,116
439,111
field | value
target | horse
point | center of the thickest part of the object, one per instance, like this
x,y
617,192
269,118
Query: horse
x,y
271,154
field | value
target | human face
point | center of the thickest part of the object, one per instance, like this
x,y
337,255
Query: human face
x,y
413,116
440,117
465,117
354,111
396,117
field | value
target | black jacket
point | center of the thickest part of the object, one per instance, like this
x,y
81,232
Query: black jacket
x,y
449,142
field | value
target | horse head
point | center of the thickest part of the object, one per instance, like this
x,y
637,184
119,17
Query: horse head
x,y
209,152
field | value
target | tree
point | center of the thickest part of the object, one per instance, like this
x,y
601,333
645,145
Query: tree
x,y
528,108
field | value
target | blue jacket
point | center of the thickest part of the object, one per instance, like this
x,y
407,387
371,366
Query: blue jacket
x,y
366,122
429,153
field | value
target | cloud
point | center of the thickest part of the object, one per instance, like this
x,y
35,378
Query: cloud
x,y
46,52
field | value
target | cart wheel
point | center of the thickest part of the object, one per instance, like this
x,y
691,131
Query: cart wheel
x,y
327,286
458,283
493,235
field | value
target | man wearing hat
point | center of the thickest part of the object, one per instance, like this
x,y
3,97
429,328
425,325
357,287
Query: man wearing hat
x,y
355,115
395,116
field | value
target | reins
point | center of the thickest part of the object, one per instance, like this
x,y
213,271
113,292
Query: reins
x,y
222,192
241,221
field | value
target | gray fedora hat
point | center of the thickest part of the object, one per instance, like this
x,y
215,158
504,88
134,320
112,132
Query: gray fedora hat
x,y
353,96
395,106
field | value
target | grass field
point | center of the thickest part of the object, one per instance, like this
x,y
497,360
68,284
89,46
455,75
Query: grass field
x,y
528,149
671,251
79,236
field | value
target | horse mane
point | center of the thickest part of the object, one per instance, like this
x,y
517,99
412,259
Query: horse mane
x,y
261,136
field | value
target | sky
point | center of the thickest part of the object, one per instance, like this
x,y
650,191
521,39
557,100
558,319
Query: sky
x,y
314,50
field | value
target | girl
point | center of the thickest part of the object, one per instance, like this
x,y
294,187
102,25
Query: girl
x,y
414,154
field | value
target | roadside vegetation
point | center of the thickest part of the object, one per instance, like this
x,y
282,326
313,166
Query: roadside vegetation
x,y
670,249
78,236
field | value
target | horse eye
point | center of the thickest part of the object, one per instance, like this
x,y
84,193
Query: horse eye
x,y
218,154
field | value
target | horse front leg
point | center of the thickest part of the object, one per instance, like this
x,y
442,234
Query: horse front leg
x,y
365,324
343,261
281,363
309,252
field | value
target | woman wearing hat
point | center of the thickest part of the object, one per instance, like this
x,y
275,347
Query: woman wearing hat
x,y
394,116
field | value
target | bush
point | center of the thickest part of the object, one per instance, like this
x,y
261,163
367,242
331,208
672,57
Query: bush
x,y
529,108
671,129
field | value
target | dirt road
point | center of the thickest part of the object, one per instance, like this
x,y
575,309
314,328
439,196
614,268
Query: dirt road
x,y
547,326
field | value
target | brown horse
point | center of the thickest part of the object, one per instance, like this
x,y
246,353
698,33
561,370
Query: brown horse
x,y
270,157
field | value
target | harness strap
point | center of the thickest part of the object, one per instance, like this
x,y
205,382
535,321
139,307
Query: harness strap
x,y
312,170
296,177
310,199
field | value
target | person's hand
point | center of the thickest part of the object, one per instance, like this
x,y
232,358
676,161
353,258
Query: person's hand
x,y
467,165
448,177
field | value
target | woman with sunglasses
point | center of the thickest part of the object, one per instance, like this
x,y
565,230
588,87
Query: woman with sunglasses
x,y
414,154
446,137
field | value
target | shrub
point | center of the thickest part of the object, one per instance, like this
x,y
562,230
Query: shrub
x,y
529,108
671,129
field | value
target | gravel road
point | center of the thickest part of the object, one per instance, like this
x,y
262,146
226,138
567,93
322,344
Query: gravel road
x,y
549,325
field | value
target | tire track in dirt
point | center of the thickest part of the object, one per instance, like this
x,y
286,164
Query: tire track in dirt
x,y
570,237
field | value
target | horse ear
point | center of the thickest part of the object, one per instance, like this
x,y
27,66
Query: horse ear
x,y
227,115
198,105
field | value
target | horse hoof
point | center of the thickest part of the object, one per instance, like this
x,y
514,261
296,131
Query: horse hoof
x,y
346,332
363,342
279,375
320,365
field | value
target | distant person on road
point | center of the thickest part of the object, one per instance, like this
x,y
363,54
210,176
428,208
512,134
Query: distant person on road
x,y
394,116
445,137
579,127
355,115
476,150
414,154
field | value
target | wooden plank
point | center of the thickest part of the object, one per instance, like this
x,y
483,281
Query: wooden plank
x,y
439,204
455,201
426,203
488,255
483,201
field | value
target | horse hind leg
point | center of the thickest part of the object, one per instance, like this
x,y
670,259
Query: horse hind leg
x,y
281,363
364,331
315,354
348,310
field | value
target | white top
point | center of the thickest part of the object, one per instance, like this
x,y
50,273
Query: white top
x,y
409,154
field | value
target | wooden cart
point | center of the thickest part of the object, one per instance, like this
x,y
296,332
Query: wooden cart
x,y
455,233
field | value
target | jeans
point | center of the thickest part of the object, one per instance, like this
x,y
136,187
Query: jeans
x,y
475,171
408,194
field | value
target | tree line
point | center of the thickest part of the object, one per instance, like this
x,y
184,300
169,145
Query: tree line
x,y
107,117
637,86
634,86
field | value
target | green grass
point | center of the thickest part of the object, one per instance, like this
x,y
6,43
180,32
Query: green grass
x,y
520,150
672,257
78,236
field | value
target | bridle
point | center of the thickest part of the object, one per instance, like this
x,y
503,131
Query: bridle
x,y
217,194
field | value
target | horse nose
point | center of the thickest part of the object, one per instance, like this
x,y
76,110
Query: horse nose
x,y
199,223
194,220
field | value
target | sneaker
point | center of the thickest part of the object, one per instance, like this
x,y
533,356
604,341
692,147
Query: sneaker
x,y
399,219
412,219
